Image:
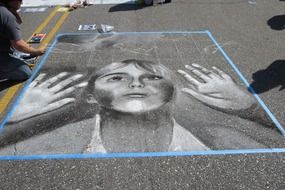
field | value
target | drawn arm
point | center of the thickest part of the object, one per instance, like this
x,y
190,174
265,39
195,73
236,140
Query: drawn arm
x,y
41,97
217,89
46,96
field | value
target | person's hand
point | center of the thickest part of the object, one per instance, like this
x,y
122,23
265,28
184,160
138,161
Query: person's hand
x,y
40,51
47,96
215,88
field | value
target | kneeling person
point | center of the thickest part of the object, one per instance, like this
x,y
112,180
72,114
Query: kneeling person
x,y
12,68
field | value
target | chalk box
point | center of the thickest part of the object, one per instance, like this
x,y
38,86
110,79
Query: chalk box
x,y
37,38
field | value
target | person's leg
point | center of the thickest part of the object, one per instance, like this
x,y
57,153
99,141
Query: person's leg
x,y
15,69
148,2
2,76
23,72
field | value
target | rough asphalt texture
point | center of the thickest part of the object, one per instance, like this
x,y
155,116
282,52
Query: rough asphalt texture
x,y
252,38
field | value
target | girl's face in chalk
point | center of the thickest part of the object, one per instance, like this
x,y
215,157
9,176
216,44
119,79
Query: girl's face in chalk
x,y
132,90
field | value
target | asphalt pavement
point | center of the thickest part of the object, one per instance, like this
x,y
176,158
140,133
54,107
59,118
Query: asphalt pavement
x,y
252,35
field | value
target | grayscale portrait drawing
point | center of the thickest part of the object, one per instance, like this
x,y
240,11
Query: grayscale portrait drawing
x,y
136,104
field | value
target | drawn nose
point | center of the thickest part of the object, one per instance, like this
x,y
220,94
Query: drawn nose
x,y
136,84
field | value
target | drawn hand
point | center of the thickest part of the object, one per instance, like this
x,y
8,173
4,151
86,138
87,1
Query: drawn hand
x,y
47,96
217,88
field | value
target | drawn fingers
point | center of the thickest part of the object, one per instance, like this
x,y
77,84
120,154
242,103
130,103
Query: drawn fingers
x,y
205,74
65,82
52,80
68,91
221,73
189,78
37,80
206,71
199,73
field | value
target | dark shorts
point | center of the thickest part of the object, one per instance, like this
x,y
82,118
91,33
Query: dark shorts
x,y
12,68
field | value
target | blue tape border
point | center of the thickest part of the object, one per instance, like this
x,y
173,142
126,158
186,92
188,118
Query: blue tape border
x,y
149,154
144,155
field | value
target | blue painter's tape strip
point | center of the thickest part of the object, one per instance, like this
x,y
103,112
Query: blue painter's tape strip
x,y
260,101
143,155
35,72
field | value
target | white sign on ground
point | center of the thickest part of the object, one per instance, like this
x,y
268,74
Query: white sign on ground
x,y
87,27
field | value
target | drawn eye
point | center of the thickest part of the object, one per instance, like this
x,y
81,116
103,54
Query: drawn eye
x,y
115,78
153,77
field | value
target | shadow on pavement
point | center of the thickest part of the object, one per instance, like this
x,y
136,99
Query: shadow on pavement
x,y
131,7
126,7
269,78
277,22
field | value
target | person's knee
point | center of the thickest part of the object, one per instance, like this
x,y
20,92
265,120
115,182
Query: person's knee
x,y
26,74
22,73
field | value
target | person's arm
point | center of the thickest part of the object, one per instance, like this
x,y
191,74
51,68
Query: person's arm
x,y
13,32
22,46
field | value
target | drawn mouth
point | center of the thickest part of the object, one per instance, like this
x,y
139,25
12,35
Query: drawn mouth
x,y
136,95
